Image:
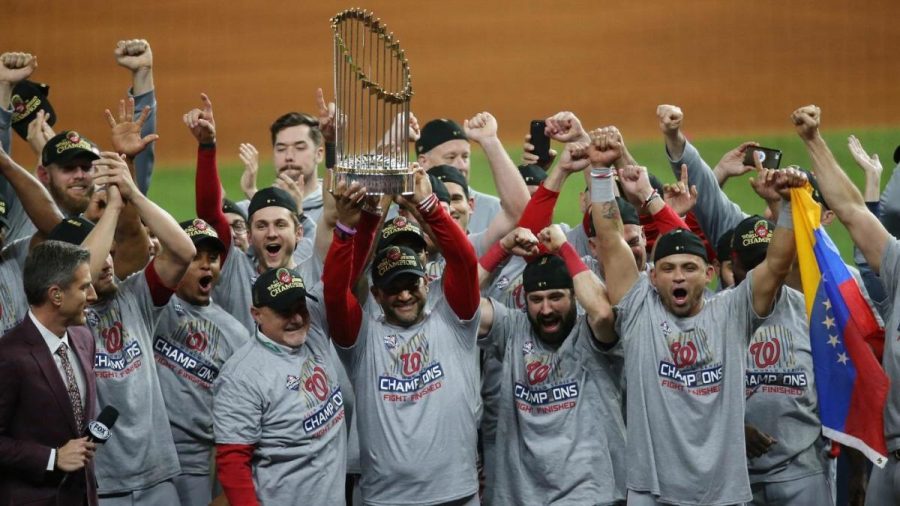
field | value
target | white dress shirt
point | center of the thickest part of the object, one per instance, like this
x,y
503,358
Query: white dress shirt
x,y
53,343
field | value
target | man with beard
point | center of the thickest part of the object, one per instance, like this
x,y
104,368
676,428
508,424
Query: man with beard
x,y
414,371
138,465
279,407
683,353
275,228
193,338
560,429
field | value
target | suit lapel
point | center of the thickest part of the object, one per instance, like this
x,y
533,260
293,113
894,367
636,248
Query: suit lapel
x,y
44,359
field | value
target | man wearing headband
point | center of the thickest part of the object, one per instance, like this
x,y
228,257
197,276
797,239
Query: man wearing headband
x,y
786,455
279,409
192,340
414,372
683,354
560,426
443,142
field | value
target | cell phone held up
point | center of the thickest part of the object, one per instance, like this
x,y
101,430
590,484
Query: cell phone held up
x,y
540,141
770,158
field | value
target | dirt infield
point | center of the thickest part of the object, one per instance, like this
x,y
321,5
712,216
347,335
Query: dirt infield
x,y
734,67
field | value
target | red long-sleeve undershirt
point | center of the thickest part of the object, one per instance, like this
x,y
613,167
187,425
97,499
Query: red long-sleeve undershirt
x,y
460,277
538,213
208,195
235,473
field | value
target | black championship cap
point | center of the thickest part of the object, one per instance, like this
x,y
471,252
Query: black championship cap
x,y
27,99
280,289
546,272
271,196
66,146
401,232
751,239
626,210
679,241
228,206
897,155
71,230
437,132
394,261
450,174
439,189
723,247
532,174
201,232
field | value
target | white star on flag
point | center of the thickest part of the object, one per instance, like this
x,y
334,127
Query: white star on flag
x,y
829,322
843,358
833,340
827,304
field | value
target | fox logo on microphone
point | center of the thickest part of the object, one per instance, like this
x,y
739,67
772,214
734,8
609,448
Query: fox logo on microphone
x,y
98,431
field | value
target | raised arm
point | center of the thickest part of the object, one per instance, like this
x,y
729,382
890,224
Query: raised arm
x,y
841,194
342,308
100,240
461,272
178,250
615,255
136,56
769,276
35,198
14,67
207,185
890,203
715,212
511,189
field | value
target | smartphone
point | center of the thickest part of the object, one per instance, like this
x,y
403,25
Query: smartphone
x,y
540,141
770,158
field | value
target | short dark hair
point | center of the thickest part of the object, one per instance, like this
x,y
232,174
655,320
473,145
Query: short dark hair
x,y
51,263
293,119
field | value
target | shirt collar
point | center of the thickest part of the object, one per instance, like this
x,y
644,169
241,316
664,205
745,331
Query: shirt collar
x,y
276,348
52,340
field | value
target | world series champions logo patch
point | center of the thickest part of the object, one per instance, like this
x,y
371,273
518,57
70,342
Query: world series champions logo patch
x,y
691,364
413,372
773,364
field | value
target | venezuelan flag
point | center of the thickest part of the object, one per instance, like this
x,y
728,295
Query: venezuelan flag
x,y
851,385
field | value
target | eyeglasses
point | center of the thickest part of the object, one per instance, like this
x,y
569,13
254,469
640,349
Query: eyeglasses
x,y
238,226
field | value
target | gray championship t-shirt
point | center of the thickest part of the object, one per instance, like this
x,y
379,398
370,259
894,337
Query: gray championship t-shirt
x,y
141,452
685,403
190,344
890,276
486,208
288,404
561,431
13,306
417,408
781,394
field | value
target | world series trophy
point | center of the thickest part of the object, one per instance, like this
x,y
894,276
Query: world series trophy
x,y
372,90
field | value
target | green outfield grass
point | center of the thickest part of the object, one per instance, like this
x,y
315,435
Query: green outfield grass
x,y
173,186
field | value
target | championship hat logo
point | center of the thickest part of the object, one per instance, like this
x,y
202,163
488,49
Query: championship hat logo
x,y
200,224
762,230
18,104
73,137
284,276
400,222
393,254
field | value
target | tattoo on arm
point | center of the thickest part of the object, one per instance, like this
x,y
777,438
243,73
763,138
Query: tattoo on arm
x,y
610,211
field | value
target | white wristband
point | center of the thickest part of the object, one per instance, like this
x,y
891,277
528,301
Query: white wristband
x,y
785,216
602,184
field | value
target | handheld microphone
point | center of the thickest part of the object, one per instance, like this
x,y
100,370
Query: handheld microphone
x,y
99,430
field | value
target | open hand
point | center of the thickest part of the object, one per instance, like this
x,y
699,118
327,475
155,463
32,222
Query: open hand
x,y
126,132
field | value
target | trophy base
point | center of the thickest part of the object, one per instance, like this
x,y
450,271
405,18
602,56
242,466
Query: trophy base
x,y
397,183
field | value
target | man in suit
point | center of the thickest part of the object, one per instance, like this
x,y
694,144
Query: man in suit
x,y
47,391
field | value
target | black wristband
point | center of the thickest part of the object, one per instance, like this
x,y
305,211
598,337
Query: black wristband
x,y
330,155
207,145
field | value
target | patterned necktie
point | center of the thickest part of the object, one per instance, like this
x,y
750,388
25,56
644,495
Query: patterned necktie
x,y
71,386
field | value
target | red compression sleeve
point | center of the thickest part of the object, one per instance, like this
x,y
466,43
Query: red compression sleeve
x,y
460,276
235,475
362,241
208,194
574,263
666,220
159,292
538,213
341,307
650,231
494,256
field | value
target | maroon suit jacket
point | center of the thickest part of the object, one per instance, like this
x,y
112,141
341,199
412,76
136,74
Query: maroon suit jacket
x,y
36,416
